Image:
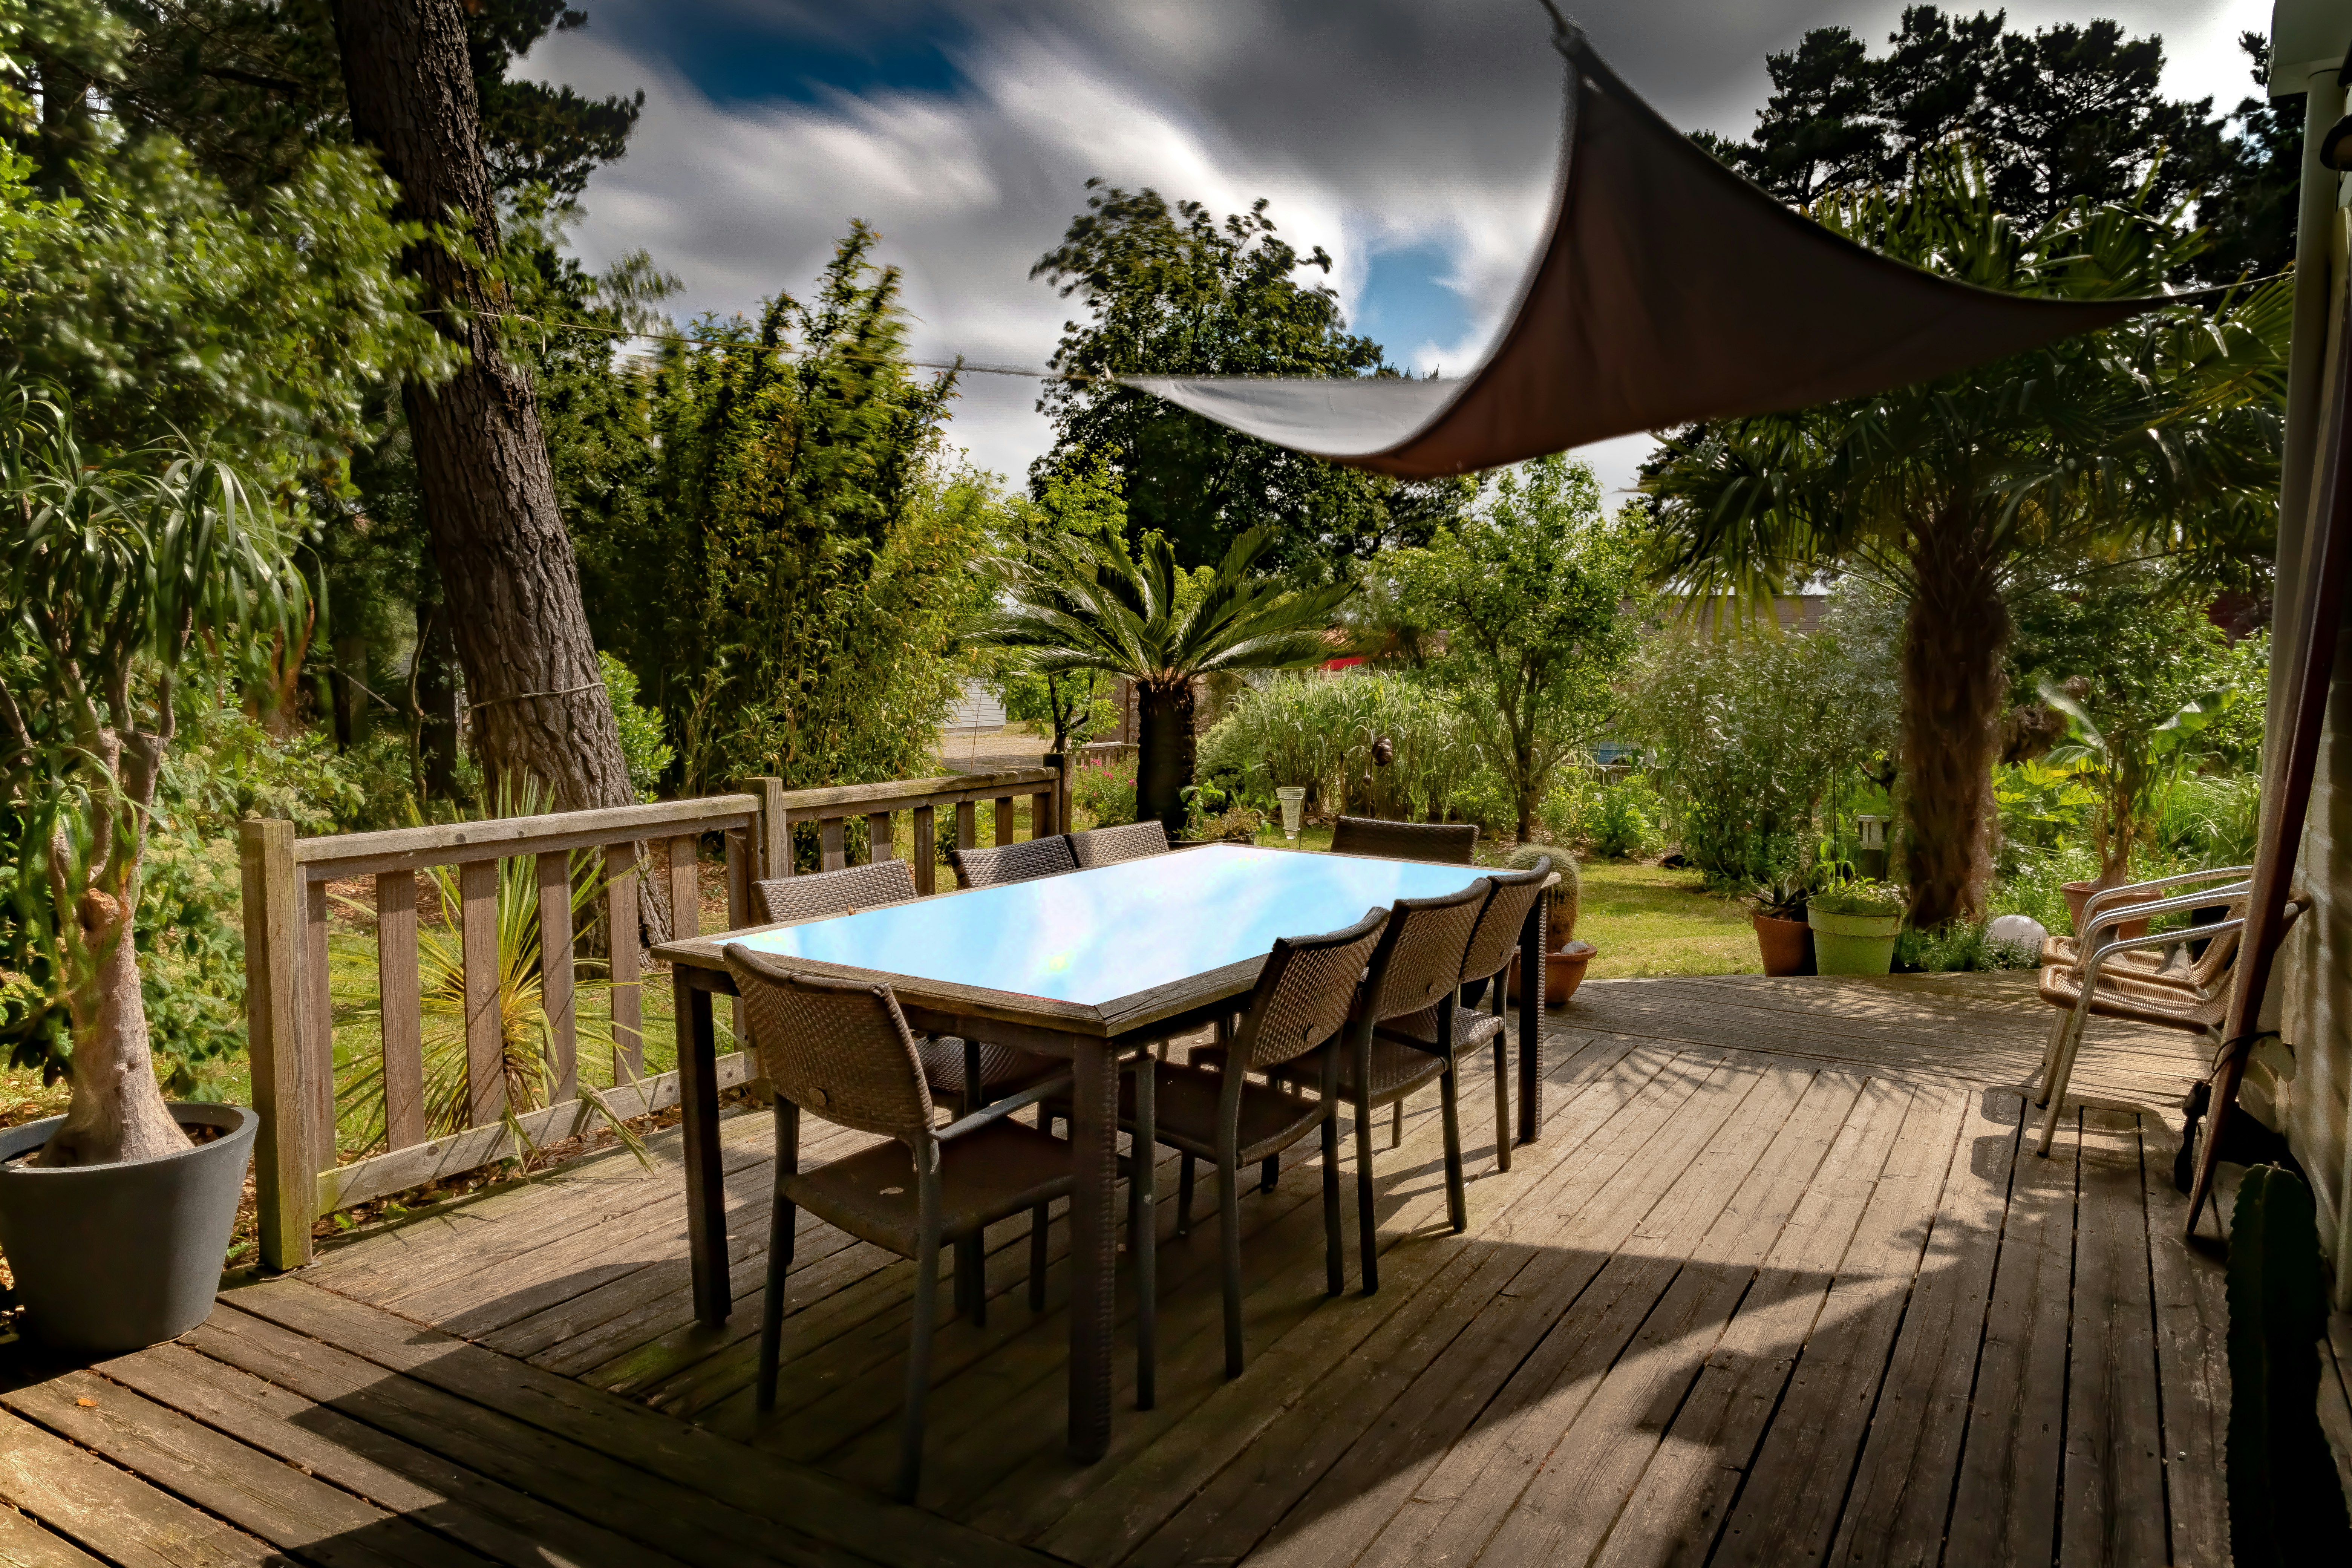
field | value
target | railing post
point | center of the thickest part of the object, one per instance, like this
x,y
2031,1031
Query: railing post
x,y
285,1166
773,857
1060,790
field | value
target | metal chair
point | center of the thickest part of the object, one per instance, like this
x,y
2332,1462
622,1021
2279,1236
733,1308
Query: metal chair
x,y
1487,958
842,1049
1300,1002
1109,845
2095,991
961,1073
1004,863
1447,843
2068,950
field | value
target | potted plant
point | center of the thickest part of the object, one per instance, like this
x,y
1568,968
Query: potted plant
x,y
1782,937
1854,925
115,1216
1565,964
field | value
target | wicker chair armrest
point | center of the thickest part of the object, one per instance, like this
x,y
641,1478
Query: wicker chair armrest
x,y
998,1110
2098,957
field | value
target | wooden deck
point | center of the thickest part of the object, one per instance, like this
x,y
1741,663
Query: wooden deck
x,y
1779,1284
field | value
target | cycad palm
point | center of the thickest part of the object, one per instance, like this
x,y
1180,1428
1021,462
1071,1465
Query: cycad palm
x,y
2157,438
1162,628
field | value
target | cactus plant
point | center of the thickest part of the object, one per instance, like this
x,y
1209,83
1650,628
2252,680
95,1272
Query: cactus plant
x,y
2285,1504
1565,897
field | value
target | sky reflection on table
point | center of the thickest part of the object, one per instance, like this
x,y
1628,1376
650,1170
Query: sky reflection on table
x,y
1092,937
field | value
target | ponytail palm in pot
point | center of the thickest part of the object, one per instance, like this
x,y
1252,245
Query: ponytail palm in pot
x,y
1098,607
113,1218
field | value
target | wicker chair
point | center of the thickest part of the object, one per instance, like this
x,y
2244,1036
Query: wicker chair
x,y
1416,968
1488,956
1301,1001
2153,962
2095,991
961,1074
1109,845
1022,862
1448,843
842,1049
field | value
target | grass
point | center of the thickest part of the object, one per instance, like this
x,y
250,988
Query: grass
x,y
1649,920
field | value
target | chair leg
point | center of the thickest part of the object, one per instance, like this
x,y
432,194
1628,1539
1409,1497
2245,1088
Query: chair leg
x,y
1037,1221
1396,1125
1143,1235
1229,1247
781,1219
1502,1105
1457,1203
1368,1227
1334,1270
1269,1172
1184,1195
919,1367
971,1278
975,1098
2060,1073
2059,1025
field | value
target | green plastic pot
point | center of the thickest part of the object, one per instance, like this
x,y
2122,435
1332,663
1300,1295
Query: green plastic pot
x,y
1853,944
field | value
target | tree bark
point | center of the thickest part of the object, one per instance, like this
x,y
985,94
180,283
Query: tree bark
x,y
506,562
1953,691
1164,752
432,700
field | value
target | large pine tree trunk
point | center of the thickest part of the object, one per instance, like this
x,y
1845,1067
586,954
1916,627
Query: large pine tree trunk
x,y
1953,694
506,562
1164,752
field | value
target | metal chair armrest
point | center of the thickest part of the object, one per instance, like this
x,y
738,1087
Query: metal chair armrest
x,y
2109,919
2107,895
997,1110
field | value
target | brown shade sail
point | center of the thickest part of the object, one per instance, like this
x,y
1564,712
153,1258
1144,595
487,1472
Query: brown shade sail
x,y
1668,290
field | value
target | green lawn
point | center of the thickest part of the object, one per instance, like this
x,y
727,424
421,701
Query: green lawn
x,y
1646,920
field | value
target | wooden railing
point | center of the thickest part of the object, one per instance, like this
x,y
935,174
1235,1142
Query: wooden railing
x,y
288,1004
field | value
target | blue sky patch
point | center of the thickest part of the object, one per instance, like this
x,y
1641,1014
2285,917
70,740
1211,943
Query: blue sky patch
x,y
773,57
1406,303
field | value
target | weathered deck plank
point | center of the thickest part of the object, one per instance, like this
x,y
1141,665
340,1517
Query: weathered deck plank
x,y
1779,1282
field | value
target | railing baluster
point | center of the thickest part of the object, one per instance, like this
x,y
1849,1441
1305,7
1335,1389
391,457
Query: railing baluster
x,y
739,908
1004,819
397,1004
926,834
318,1025
832,852
878,847
555,974
628,989
1042,823
485,1060
685,888
967,825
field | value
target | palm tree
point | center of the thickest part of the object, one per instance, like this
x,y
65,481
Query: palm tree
x,y
2156,439
1100,608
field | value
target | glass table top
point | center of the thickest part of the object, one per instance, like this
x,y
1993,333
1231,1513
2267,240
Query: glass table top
x,y
1092,937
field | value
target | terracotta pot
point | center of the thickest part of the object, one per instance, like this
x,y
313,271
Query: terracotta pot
x,y
1787,945
1563,972
2078,894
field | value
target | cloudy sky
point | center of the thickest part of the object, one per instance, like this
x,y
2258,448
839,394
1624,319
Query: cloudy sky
x,y
1411,138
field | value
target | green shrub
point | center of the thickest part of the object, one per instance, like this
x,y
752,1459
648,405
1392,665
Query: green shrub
x,y
1569,807
1961,948
1625,824
2210,821
1104,791
642,746
1316,730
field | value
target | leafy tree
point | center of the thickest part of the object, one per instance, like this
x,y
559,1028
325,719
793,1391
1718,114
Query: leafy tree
x,y
253,86
790,597
115,569
1075,507
1528,594
1175,292
1163,629
2158,438
2250,204
2064,114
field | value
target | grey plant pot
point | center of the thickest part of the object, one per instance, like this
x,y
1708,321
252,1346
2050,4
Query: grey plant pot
x,y
119,1258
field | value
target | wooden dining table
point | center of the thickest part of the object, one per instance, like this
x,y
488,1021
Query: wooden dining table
x,y
1087,966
